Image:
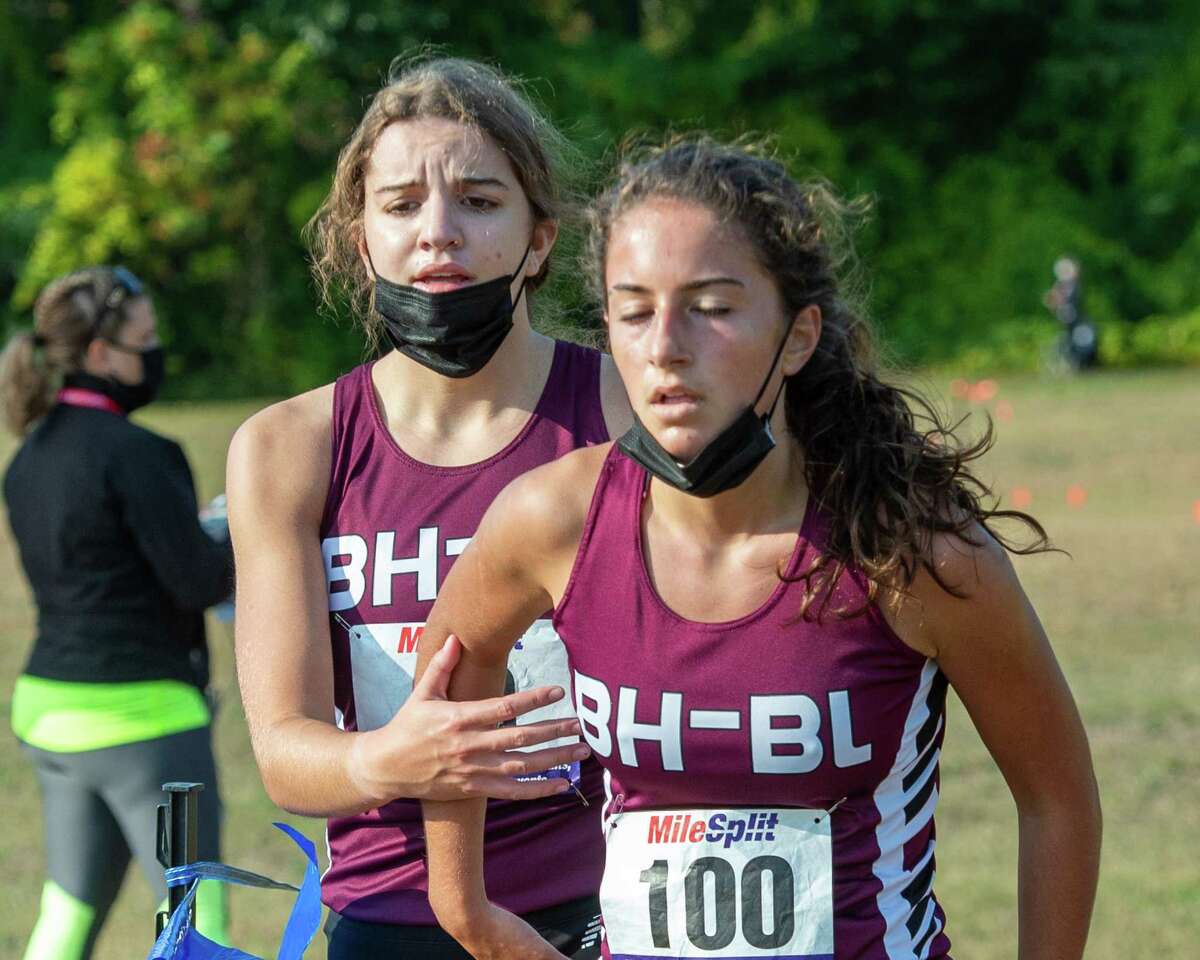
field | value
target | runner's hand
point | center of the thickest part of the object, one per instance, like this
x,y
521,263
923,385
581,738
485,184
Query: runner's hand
x,y
437,749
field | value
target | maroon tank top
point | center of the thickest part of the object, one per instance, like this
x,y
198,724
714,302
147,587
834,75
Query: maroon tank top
x,y
770,782
391,530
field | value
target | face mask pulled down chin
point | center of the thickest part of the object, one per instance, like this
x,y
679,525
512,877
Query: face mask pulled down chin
x,y
454,333
724,463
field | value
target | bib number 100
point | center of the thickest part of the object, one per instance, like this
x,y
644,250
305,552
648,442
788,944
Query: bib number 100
x,y
764,925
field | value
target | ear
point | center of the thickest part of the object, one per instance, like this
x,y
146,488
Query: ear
x,y
545,232
97,358
361,243
802,341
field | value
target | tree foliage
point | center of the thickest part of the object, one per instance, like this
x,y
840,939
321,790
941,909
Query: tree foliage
x,y
192,140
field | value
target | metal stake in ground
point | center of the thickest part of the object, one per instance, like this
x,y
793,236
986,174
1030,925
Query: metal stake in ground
x,y
178,821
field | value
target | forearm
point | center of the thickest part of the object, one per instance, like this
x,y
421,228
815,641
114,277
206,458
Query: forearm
x,y
454,846
1059,862
454,829
312,768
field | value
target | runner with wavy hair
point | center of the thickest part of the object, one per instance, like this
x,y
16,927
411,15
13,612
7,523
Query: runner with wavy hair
x,y
765,589
348,504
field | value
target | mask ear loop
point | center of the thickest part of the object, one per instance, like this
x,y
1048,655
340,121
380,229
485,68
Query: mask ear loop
x,y
766,418
525,279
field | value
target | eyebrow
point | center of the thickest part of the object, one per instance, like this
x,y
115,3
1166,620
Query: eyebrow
x,y
464,181
694,285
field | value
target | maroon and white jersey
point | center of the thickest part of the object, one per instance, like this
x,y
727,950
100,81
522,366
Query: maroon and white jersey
x,y
770,782
391,530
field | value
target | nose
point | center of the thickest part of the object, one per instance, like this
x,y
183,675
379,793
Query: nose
x,y
667,346
440,229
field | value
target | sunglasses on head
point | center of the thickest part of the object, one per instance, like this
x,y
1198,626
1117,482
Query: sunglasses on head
x,y
124,286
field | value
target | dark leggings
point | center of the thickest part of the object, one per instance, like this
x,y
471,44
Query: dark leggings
x,y
99,810
571,928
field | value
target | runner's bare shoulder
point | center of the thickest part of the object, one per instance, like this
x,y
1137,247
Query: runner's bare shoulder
x,y
543,512
281,455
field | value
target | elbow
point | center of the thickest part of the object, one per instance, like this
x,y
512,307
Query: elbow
x,y
280,795
1067,810
278,781
454,914
277,785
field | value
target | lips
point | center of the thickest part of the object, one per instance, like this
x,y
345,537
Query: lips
x,y
672,395
674,405
440,277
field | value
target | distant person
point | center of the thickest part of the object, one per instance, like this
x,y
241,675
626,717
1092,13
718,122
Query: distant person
x,y
111,703
1078,344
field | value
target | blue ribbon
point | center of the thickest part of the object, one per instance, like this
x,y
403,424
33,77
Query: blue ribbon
x,y
180,941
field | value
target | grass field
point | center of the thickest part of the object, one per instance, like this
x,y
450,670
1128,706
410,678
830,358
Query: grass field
x,y
1123,611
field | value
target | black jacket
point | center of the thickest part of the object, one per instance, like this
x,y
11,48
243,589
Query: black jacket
x,y
104,515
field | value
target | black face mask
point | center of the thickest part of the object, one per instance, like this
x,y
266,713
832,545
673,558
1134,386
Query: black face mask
x,y
131,396
729,458
454,333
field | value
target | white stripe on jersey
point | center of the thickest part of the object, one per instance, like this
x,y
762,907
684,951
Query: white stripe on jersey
x,y
894,829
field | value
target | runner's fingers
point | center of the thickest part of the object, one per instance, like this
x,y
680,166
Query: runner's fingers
x,y
522,764
531,734
505,788
498,710
435,683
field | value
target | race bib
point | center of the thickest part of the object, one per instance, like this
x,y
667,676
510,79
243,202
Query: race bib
x,y
719,883
383,660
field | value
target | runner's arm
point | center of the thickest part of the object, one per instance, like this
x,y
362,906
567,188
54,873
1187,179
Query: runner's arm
x,y
278,475
995,654
514,570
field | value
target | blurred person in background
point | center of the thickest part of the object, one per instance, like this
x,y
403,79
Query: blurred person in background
x,y
111,703
349,504
1077,346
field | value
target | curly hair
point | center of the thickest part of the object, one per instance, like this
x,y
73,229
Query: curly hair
x,y
465,91
883,464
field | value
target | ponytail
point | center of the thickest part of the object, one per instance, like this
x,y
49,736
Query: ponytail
x,y
27,385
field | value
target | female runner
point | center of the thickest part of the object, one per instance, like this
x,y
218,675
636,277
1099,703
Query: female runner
x,y
111,703
348,504
764,589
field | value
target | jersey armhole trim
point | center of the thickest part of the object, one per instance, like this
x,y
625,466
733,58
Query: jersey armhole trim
x,y
336,437
589,525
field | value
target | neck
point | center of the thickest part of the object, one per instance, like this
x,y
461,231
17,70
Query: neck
x,y
434,405
771,500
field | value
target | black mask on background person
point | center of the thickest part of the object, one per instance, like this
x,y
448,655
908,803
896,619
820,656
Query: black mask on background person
x,y
454,333
728,459
127,396
131,396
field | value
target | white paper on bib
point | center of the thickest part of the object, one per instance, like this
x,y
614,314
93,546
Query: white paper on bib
x,y
725,884
383,660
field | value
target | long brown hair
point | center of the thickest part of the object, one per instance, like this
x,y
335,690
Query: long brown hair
x,y
69,313
465,91
880,459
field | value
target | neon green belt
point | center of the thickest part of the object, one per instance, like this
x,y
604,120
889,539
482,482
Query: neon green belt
x,y
66,717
